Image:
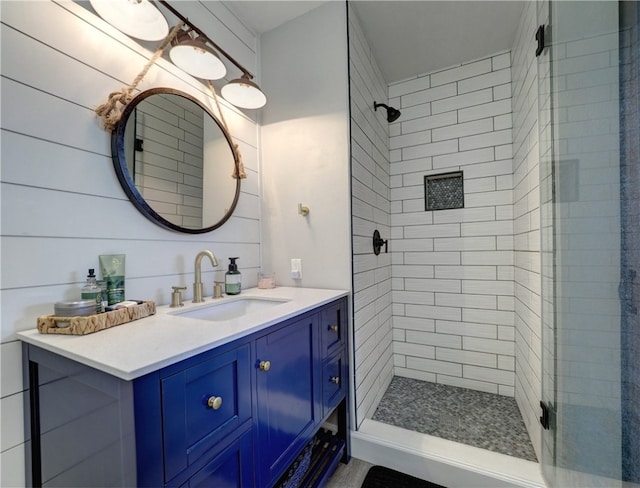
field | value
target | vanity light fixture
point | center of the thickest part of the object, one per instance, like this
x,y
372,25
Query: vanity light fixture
x,y
244,93
192,55
192,51
136,18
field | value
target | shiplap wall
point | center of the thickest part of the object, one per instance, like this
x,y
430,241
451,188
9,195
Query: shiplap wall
x,y
452,270
370,210
62,204
526,224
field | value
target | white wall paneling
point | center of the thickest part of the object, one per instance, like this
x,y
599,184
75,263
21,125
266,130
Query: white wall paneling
x,y
62,204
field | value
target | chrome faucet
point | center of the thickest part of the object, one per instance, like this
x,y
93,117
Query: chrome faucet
x,y
197,285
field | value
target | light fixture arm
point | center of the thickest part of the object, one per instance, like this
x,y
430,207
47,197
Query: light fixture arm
x,y
205,38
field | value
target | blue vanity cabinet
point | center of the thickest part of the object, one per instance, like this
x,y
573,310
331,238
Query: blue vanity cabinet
x,y
304,383
287,404
239,415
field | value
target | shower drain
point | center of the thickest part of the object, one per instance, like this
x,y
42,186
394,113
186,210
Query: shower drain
x,y
447,420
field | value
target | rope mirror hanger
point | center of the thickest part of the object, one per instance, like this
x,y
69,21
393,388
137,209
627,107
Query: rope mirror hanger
x,y
111,111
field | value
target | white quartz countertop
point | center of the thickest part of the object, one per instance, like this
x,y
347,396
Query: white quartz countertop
x,y
136,348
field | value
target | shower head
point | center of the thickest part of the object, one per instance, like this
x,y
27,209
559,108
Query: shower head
x,y
392,113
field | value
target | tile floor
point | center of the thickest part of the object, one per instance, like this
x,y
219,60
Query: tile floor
x,y
475,418
349,475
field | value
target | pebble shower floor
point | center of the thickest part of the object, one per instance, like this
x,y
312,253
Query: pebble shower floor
x,y
475,418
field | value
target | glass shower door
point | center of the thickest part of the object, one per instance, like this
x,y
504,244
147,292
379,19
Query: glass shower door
x,y
589,231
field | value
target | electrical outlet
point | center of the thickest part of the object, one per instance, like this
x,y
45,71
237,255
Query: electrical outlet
x,y
296,269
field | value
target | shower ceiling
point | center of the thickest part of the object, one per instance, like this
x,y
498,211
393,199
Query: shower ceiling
x,y
409,37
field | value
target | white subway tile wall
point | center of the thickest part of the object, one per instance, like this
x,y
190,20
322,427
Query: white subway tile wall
x,y
372,281
171,156
526,225
453,289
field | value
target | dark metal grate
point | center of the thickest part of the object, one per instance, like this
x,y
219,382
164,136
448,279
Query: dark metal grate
x,y
444,191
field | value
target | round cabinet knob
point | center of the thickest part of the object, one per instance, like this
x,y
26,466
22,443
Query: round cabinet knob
x,y
214,402
333,328
335,379
265,365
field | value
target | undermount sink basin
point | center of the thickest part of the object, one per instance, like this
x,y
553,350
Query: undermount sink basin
x,y
219,312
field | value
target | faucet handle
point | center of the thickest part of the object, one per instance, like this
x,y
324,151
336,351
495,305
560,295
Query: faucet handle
x,y
217,289
176,296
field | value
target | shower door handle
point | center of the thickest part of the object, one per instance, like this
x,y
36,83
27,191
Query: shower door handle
x,y
540,40
544,419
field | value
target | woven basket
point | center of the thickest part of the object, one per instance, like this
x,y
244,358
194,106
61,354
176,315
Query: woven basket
x,y
48,324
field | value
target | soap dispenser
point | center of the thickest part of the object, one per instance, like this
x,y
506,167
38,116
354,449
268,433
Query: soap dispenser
x,y
232,279
91,291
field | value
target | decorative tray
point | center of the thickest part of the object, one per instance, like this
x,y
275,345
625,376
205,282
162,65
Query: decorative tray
x,y
50,324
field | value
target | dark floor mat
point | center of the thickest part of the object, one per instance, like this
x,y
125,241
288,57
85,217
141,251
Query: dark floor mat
x,y
381,477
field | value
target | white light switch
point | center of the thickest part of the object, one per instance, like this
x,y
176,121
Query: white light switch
x,y
296,269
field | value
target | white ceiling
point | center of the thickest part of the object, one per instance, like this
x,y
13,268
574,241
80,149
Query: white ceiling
x,y
264,15
408,38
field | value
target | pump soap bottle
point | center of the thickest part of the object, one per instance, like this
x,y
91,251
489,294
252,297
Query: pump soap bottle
x,y
232,279
91,291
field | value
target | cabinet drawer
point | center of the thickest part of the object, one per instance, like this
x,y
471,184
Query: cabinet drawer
x,y
203,404
333,325
333,382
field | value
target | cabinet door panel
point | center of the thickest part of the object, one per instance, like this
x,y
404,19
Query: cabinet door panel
x,y
285,396
232,468
192,426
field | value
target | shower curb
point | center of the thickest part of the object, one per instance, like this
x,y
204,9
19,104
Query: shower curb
x,y
441,461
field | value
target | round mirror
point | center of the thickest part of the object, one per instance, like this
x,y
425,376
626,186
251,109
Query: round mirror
x,y
176,161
